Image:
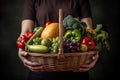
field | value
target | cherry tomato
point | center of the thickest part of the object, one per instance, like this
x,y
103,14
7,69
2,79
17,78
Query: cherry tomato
x,y
20,44
29,34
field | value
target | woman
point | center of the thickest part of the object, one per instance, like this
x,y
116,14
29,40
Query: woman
x,y
37,12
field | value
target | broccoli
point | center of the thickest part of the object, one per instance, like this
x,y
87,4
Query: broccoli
x,y
68,21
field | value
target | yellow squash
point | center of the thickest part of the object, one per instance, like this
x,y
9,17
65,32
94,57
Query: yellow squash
x,y
50,31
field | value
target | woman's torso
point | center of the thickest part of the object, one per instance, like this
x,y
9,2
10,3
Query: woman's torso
x,y
47,10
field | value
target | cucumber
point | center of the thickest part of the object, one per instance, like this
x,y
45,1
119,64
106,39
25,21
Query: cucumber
x,y
38,48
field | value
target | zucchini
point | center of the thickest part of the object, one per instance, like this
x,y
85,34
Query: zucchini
x,y
38,48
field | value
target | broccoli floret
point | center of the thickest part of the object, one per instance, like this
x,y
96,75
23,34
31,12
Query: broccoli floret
x,y
68,21
75,25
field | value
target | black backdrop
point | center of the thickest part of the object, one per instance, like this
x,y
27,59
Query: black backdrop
x,y
11,68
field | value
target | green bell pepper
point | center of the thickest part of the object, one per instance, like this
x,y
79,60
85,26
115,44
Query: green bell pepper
x,y
68,34
74,35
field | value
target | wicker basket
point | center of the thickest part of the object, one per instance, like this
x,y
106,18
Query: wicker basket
x,y
61,61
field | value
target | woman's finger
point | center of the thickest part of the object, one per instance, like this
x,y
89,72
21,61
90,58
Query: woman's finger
x,y
95,56
30,63
36,69
83,69
22,52
87,65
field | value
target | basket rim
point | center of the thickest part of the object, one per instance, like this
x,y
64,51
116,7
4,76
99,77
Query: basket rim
x,y
65,54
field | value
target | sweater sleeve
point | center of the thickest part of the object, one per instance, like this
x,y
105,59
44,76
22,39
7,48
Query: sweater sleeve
x,y
29,10
85,10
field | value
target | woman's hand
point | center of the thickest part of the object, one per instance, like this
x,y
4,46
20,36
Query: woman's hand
x,y
87,67
33,66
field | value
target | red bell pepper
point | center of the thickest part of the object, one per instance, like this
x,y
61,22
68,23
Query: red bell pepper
x,y
21,41
89,42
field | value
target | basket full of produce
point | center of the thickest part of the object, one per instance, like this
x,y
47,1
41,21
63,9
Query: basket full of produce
x,y
64,45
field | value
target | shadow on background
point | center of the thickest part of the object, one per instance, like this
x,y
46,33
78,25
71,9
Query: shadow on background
x,y
11,68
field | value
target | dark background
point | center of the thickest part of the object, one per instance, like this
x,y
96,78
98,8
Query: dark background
x,y
11,68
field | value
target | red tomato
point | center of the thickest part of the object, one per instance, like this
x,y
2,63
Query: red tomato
x,y
21,41
47,23
29,34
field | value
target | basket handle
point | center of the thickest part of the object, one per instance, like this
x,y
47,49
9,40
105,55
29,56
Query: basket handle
x,y
60,50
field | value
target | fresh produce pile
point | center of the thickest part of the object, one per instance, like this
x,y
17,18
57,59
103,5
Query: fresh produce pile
x,y
76,37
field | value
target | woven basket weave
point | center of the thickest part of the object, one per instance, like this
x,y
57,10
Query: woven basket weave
x,y
61,61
